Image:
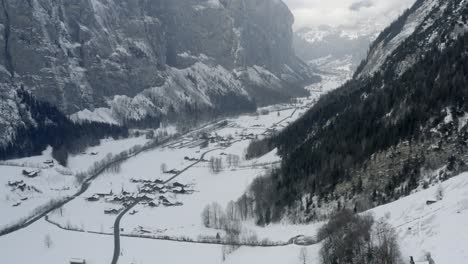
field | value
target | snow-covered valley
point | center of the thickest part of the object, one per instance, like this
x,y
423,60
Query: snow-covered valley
x,y
168,212
176,182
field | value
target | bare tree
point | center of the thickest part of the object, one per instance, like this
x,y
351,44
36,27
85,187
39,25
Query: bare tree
x,y
213,216
386,248
232,160
350,238
48,241
439,192
216,165
303,254
429,258
163,167
206,216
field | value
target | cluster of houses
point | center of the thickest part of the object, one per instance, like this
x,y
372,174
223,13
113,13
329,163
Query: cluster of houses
x,y
20,185
215,138
250,136
158,186
150,193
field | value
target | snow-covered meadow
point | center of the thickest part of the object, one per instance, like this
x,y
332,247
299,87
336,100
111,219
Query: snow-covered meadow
x,y
87,211
208,187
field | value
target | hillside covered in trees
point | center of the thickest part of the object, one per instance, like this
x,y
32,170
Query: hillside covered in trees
x,y
383,133
46,125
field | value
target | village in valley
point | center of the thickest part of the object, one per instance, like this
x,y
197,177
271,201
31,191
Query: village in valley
x,y
176,193
160,192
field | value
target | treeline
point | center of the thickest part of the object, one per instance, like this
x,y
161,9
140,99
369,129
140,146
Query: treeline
x,y
358,239
361,118
50,127
258,148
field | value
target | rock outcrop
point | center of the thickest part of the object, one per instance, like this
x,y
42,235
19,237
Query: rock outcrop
x,y
106,54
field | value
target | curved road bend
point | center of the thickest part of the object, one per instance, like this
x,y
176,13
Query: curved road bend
x,y
116,255
84,187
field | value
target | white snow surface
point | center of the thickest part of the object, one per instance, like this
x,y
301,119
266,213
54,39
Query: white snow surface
x,y
438,228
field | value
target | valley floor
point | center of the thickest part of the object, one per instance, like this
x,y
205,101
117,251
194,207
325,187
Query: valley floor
x,y
173,183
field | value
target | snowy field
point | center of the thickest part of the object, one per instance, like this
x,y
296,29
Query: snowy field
x,y
439,228
208,187
177,215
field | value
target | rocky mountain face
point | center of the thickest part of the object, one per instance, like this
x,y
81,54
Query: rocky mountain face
x,y
427,24
398,125
122,61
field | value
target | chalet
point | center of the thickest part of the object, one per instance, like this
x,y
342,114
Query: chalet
x,y
431,201
179,190
145,197
15,183
117,199
153,204
177,184
143,230
22,186
93,198
146,189
158,181
133,212
166,202
94,153
104,194
50,163
77,261
30,173
159,186
111,211
173,171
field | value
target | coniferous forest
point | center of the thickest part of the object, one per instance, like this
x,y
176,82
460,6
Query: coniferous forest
x,y
361,118
52,128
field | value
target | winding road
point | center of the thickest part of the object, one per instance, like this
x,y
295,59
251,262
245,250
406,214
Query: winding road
x,y
116,254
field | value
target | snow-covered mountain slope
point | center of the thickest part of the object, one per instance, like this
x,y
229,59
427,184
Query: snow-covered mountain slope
x,y
333,44
401,118
438,228
200,85
427,23
97,54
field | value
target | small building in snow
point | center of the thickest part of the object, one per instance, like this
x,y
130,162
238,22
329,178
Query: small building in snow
x,y
111,211
30,173
50,163
93,198
77,261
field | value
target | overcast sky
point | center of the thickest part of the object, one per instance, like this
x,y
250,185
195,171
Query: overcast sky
x,y
345,12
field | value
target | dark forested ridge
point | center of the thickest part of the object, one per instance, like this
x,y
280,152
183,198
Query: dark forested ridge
x,y
415,119
49,126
